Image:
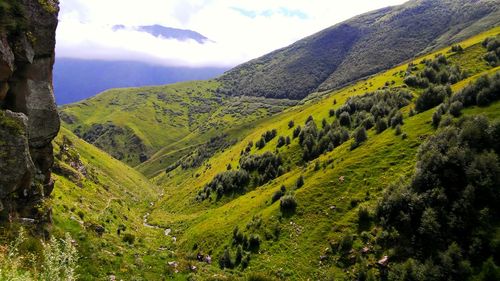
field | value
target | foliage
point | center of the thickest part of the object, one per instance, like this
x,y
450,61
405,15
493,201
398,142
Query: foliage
x,y
201,154
59,259
432,97
483,91
358,113
254,170
288,204
357,48
492,44
444,215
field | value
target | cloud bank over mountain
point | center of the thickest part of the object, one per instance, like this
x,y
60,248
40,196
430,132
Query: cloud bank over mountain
x,y
237,30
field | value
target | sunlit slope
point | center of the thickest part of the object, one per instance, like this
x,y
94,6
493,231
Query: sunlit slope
x,y
133,124
337,184
101,202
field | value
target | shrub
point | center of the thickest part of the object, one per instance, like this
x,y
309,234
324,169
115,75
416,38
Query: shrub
x,y
296,132
245,261
58,260
345,244
254,242
359,137
239,255
397,119
331,112
291,124
436,118
261,143
288,204
457,49
128,238
363,214
447,203
281,142
278,194
416,82
455,108
269,135
345,119
300,182
225,261
381,125
432,97
398,130
80,214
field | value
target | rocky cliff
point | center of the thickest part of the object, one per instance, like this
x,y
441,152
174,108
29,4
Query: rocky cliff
x,y
28,114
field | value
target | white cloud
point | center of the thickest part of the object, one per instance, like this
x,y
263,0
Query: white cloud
x,y
265,25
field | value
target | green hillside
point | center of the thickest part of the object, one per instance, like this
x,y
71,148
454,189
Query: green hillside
x,y
230,214
101,202
133,124
257,198
359,47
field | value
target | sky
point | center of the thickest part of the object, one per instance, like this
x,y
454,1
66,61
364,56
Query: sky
x,y
239,30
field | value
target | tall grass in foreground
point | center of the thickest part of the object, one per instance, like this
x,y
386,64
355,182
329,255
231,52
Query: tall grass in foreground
x,y
57,261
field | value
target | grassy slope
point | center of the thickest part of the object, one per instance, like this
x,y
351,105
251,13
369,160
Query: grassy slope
x,y
368,170
111,195
166,118
359,47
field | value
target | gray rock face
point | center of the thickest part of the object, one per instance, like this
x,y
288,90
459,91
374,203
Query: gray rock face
x,y
43,122
28,114
6,59
16,167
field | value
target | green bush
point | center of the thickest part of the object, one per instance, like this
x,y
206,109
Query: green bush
x,y
288,204
300,182
456,108
278,194
381,125
128,238
225,261
432,97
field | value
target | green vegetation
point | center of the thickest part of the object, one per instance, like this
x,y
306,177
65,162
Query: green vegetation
x,y
324,193
443,222
359,47
12,17
322,211
153,127
56,259
102,203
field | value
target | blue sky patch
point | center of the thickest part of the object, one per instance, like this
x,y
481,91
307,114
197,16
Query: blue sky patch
x,y
269,13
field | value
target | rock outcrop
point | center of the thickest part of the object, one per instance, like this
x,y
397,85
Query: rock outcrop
x,y
28,113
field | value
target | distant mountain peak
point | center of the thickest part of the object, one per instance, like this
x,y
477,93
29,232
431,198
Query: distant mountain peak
x,y
166,32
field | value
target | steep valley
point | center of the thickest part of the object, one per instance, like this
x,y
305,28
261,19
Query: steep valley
x,y
336,158
337,186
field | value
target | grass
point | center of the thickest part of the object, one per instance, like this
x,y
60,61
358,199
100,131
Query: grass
x,y
163,122
368,170
112,194
327,208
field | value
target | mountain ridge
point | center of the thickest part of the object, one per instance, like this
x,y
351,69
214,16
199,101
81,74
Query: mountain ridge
x,y
332,57
166,32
